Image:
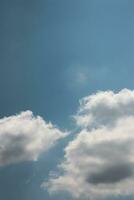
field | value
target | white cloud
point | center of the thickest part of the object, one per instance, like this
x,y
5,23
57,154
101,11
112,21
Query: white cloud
x,y
105,108
99,162
24,137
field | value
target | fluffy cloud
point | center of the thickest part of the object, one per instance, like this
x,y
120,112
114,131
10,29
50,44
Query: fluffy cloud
x,y
24,137
99,162
105,108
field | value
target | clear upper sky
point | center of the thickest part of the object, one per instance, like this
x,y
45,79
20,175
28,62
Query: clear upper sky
x,y
52,53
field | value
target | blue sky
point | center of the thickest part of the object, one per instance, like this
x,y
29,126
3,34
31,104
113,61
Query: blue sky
x,y
53,53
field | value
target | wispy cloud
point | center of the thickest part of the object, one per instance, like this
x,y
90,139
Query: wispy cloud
x,y
77,77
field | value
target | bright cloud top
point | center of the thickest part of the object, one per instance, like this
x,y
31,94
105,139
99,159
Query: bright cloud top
x,y
24,137
99,162
105,108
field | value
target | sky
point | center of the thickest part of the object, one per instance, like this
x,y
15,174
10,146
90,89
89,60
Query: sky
x,y
53,54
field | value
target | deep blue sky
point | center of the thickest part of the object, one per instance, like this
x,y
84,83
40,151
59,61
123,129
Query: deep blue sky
x,y
52,53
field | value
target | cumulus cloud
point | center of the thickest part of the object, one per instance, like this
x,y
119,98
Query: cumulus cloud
x,y
24,137
99,162
105,108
